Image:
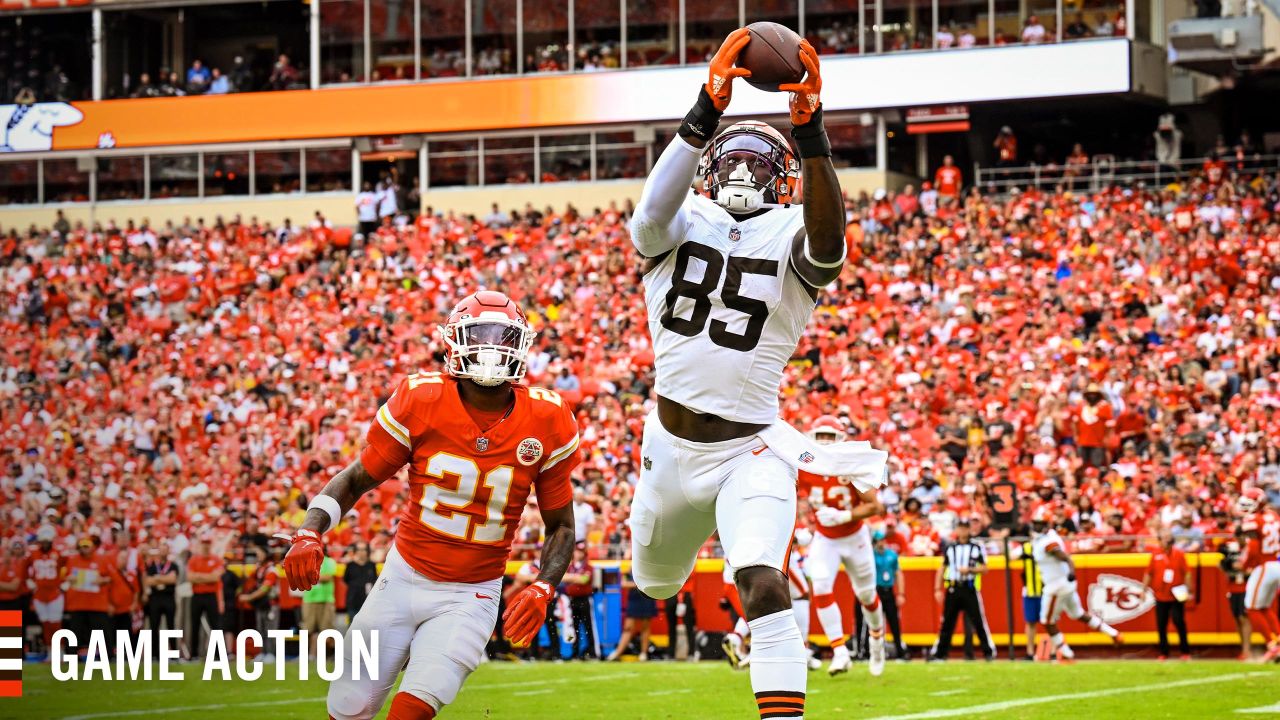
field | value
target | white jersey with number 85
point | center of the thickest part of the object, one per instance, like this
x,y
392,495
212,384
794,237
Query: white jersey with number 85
x,y
726,311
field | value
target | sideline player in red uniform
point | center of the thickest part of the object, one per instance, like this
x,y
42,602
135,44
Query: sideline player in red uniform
x,y
1261,527
476,442
45,571
840,509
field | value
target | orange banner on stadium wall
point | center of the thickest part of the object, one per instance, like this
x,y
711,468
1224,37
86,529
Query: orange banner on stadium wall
x,y
562,100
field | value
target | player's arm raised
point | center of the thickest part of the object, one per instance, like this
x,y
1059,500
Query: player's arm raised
x,y
659,220
818,250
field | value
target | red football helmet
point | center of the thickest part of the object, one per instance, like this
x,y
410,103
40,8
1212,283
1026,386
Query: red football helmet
x,y
750,166
827,428
488,339
1250,501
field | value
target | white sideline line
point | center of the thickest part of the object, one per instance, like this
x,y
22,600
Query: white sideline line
x,y
559,681
189,708
534,692
944,693
1010,704
670,692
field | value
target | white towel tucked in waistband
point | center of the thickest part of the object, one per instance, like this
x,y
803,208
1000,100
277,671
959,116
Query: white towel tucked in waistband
x,y
857,460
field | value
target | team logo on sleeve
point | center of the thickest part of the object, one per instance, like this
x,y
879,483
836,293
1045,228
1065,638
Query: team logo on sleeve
x,y
529,451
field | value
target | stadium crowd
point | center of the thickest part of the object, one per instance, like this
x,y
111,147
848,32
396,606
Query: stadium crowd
x,y
179,392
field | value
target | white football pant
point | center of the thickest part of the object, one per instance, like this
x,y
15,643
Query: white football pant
x,y
687,490
435,631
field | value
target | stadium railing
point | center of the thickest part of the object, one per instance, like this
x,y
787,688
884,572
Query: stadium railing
x,y
1104,170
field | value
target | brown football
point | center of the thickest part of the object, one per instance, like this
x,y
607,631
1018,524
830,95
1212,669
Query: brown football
x,y
772,56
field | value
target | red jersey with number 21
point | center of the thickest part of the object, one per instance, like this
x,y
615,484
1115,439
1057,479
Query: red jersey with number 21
x,y
467,484
829,491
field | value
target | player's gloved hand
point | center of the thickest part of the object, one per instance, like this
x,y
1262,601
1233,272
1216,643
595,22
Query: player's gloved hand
x,y
526,613
805,95
831,517
720,79
302,562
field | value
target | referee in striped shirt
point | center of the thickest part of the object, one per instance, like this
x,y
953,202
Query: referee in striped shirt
x,y
956,588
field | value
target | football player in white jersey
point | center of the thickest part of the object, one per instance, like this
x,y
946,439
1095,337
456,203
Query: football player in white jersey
x,y
731,278
1059,576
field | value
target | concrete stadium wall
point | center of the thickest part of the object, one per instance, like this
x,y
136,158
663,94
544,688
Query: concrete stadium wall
x,y
339,207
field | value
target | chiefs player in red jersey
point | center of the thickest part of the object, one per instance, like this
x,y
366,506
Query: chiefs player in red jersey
x,y
1261,527
840,510
476,442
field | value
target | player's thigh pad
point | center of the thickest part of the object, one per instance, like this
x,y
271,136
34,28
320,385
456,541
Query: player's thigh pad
x,y
1070,601
1260,590
449,646
756,510
389,612
667,524
860,562
822,563
1053,604
49,612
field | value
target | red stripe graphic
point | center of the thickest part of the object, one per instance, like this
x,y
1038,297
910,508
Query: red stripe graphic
x,y
10,618
10,688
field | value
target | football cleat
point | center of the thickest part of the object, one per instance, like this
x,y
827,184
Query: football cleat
x,y
814,663
840,661
744,662
876,664
732,646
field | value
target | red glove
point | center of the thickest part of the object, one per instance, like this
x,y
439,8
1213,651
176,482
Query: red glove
x,y
720,80
526,613
805,94
302,563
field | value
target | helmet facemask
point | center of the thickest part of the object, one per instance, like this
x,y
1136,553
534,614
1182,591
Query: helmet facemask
x,y
745,170
489,350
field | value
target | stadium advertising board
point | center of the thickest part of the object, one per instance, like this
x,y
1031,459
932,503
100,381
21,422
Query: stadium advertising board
x,y
850,83
1109,585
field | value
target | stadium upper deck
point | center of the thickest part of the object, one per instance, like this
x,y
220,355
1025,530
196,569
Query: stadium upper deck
x,y
447,94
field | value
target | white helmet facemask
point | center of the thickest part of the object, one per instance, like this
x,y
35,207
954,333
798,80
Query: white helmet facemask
x,y
740,193
488,350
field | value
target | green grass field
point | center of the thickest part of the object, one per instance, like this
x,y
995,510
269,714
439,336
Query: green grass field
x,y
709,691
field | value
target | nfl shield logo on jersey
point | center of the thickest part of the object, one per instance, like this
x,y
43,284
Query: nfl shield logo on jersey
x,y
482,444
735,233
529,451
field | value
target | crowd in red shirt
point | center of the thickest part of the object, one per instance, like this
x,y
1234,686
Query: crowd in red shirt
x,y
1113,352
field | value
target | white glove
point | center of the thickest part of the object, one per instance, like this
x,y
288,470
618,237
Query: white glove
x,y
831,517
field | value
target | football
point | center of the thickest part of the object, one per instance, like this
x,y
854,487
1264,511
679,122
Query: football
x,y
772,56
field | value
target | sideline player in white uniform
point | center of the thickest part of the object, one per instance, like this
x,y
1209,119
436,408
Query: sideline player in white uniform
x,y
731,279
1059,576
843,537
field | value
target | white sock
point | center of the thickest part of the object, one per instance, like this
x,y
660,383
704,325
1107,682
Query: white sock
x,y
1060,644
779,665
832,623
743,628
1096,623
874,615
